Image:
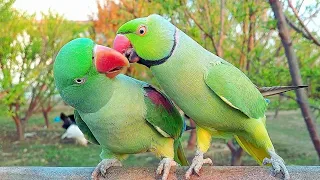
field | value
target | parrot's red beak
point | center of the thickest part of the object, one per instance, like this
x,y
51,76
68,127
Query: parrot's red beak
x,y
109,61
123,45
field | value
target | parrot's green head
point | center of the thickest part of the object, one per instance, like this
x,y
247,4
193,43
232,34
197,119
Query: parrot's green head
x,y
84,73
153,39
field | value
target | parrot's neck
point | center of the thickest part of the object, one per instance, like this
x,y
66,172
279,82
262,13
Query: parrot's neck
x,y
150,63
187,51
97,98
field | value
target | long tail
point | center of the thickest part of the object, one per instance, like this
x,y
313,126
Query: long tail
x,y
270,91
179,155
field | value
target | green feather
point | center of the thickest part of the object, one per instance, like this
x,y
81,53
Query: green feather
x,y
168,121
214,93
153,39
114,113
230,84
84,128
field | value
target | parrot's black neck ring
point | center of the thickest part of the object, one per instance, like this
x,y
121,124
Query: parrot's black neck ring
x,y
150,63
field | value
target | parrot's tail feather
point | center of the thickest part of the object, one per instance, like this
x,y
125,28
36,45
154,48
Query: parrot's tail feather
x,y
257,153
179,155
270,91
189,128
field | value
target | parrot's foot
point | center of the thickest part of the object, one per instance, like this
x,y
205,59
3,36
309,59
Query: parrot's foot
x,y
277,164
165,166
197,163
103,166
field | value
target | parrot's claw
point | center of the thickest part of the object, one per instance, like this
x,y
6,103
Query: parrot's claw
x,y
277,164
165,166
197,163
103,166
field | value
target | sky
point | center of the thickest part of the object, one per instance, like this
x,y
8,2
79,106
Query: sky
x,y
77,10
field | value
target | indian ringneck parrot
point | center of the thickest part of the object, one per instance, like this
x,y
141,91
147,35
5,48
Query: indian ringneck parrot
x,y
121,114
221,99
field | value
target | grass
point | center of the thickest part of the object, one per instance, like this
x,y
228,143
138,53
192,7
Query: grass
x,y
288,133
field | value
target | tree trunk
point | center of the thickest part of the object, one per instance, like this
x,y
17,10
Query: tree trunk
x,y
221,33
19,128
193,136
236,154
243,56
252,19
46,118
236,157
276,112
295,72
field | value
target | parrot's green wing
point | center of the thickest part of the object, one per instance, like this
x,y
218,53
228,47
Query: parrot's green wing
x,y
235,89
162,114
84,128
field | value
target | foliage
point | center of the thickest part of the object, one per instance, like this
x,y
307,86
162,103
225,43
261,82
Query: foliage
x,y
111,15
242,32
27,51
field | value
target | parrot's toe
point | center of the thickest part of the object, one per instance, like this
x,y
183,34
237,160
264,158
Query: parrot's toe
x,y
197,164
103,166
165,166
277,164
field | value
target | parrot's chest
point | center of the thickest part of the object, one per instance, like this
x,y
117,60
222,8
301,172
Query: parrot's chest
x,y
120,133
120,125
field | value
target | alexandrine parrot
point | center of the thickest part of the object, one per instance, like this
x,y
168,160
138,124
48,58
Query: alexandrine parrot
x,y
221,99
121,114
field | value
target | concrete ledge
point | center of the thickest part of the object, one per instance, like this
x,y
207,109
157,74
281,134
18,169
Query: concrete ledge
x,y
146,173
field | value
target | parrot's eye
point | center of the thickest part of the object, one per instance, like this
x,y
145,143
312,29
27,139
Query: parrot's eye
x,y
142,30
80,80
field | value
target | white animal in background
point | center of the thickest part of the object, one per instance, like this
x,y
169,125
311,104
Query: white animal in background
x,y
74,132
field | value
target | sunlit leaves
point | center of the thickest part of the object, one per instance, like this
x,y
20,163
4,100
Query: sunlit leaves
x,y
27,52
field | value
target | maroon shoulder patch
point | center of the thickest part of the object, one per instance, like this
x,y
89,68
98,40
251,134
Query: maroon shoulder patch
x,y
157,98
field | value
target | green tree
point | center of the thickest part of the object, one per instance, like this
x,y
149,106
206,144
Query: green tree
x,y
28,49
53,31
12,26
301,94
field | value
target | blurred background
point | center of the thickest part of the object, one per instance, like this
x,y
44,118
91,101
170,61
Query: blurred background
x,y
33,131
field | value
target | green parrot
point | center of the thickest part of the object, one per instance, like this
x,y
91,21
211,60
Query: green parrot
x,y
221,99
121,114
